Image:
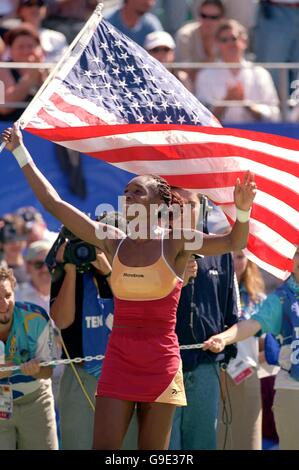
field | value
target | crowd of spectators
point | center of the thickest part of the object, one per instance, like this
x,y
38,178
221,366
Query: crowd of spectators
x,y
195,35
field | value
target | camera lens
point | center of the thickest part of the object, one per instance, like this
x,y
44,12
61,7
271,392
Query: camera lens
x,y
82,252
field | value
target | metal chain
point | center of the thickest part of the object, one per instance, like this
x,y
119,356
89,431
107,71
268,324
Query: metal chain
x,y
57,362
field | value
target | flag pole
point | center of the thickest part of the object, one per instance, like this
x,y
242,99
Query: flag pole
x,y
96,14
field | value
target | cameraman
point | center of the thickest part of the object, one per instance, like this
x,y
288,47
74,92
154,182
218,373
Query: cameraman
x,y
82,307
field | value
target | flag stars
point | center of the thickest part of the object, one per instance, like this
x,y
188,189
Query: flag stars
x,y
124,56
104,45
102,73
120,108
118,43
130,68
94,86
140,119
159,91
135,105
195,119
154,119
88,73
168,119
108,86
164,105
129,95
177,105
145,67
110,58
116,71
123,83
144,91
150,104
181,119
96,60
79,86
137,80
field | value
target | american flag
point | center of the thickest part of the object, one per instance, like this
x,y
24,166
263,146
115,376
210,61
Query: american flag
x,y
111,100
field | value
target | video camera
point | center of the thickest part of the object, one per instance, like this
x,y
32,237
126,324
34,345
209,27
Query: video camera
x,y
9,232
76,252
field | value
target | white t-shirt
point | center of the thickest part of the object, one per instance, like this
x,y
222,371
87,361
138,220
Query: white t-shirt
x,y
212,84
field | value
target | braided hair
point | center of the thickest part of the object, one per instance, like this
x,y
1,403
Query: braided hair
x,y
165,192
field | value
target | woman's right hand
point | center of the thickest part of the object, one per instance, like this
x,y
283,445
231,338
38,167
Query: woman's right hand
x,y
215,343
12,137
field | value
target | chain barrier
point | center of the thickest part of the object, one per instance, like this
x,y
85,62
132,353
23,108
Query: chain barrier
x,y
77,360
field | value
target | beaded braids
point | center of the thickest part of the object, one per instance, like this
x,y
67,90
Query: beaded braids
x,y
165,191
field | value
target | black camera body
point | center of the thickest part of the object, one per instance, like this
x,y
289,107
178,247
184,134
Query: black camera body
x,y
10,233
76,252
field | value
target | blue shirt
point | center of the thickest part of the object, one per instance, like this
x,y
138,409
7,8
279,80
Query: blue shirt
x,y
31,336
269,314
216,307
147,24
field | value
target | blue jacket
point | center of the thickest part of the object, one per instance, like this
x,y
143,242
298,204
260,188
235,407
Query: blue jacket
x,y
216,308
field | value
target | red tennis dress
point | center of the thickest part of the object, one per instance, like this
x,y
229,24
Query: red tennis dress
x,y
142,362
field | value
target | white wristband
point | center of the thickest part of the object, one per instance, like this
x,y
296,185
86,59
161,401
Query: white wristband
x,y
243,216
22,155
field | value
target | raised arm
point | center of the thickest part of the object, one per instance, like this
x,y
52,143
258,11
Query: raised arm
x,y
72,218
236,239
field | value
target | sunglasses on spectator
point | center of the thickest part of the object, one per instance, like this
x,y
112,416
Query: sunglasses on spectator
x,y
38,264
224,40
160,49
209,17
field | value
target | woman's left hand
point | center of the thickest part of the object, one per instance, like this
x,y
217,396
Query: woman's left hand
x,y
245,192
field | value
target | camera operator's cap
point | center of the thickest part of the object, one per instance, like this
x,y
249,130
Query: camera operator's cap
x,y
30,215
36,248
158,39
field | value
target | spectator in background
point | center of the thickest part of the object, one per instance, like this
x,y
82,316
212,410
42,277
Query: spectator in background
x,y
35,225
196,41
244,11
245,392
36,291
248,84
53,43
68,16
82,307
13,238
278,314
134,20
28,422
161,46
207,303
173,13
276,35
21,84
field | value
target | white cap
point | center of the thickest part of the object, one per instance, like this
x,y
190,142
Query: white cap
x,y
36,248
5,7
157,39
